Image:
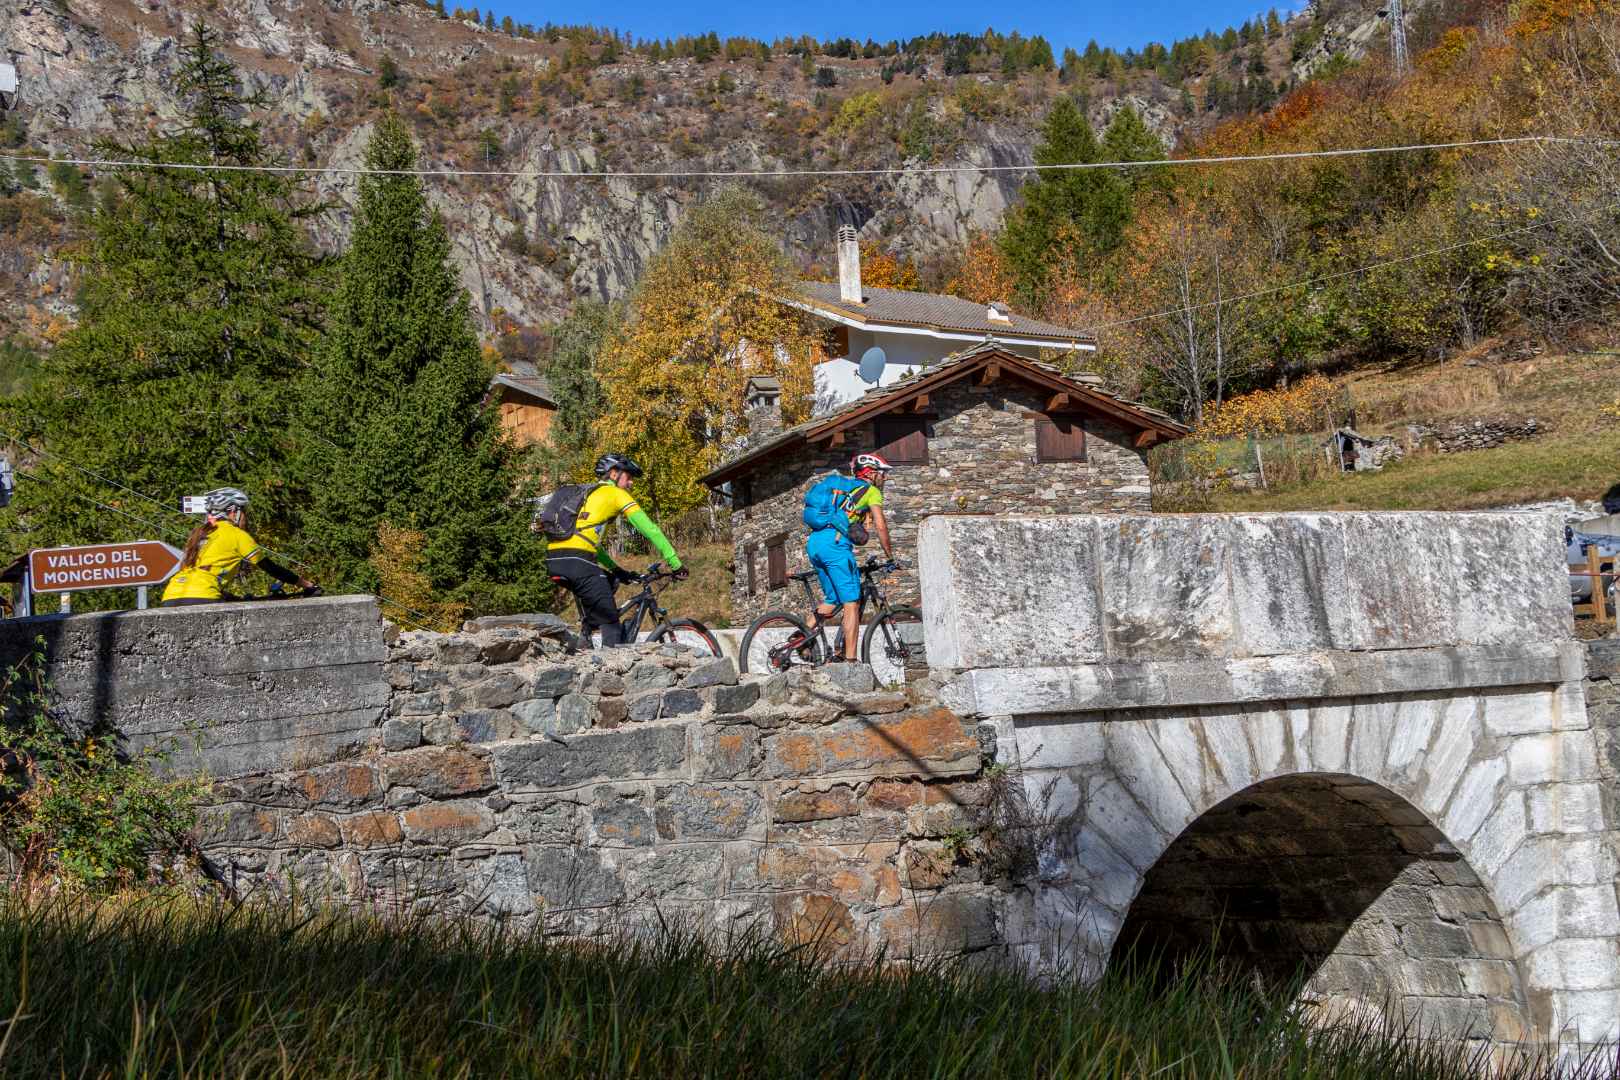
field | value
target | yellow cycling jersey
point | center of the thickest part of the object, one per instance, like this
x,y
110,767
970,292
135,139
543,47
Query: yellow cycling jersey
x,y
601,506
873,496
221,556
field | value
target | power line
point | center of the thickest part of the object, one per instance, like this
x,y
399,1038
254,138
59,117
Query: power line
x,y
719,174
1306,282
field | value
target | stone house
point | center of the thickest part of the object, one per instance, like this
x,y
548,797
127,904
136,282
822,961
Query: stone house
x,y
986,431
876,337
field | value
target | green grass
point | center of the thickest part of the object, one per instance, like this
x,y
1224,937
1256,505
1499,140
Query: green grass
x,y
179,988
1581,467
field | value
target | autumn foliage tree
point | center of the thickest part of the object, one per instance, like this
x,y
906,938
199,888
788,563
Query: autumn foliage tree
x,y
705,317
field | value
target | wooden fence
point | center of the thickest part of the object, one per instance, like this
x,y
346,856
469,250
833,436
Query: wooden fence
x,y
1601,569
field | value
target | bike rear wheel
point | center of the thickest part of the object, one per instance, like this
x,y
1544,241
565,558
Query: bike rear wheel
x,y
777,641
689,632
893,642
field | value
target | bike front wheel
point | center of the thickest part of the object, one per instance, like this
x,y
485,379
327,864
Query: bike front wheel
x,y
690,633
777,641
893,642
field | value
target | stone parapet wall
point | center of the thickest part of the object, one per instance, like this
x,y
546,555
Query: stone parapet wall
x,y
583,793
227,688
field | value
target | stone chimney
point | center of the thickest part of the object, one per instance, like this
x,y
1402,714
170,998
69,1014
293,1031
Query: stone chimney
x,y
762,407
849,266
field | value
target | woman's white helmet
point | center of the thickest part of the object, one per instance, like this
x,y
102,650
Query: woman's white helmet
x,y
222,501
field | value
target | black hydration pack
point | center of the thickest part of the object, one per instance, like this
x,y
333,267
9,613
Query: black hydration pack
x,y
559,518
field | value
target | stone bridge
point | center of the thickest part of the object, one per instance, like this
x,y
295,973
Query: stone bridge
x,y
1353,741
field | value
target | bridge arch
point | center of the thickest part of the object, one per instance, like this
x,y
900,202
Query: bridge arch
x,y
1435,846
1347,881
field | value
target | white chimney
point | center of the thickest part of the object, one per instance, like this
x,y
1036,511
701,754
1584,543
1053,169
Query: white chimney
x,y
998,313
849,266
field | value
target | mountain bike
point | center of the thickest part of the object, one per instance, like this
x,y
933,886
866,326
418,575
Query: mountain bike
x,y
779,640
644,604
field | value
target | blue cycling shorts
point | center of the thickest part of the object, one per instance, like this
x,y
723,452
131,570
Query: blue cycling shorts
x,y
834,562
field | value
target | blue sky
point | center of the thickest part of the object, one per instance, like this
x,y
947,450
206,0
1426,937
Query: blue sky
x,y
1121,25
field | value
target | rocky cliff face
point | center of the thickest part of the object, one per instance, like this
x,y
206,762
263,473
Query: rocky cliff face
x,y
528,245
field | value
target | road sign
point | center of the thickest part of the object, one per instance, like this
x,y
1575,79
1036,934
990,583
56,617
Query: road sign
x,y
102,566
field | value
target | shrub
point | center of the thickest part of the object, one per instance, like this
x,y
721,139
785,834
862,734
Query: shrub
x,y
76,807
1306,406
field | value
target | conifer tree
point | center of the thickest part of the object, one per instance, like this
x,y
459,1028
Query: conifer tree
x,y
199,300
1062,205
396,404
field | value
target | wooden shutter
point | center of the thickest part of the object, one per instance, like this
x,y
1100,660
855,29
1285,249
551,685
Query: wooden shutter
x,y
903,440
776,564
1060,438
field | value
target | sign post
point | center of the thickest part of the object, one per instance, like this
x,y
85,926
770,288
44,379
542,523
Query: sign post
x,y
137,564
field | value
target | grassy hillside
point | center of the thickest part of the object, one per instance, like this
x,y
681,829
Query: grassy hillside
x,y
1577,396
176,988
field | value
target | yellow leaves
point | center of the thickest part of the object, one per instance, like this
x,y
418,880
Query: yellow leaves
x,y
857,111
703,320
1305,406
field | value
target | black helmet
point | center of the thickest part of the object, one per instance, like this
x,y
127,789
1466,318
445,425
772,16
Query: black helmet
x,y
608,462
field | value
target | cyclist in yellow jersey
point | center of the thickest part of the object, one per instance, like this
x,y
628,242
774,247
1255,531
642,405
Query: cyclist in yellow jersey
x,y
218,550
580,565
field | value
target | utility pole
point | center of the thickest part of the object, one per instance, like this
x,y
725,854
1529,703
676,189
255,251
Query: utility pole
x,y
1397,37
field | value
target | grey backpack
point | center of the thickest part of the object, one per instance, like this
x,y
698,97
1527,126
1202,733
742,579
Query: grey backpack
x,y
560,515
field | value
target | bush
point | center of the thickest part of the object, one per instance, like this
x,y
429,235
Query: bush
x,y
74,806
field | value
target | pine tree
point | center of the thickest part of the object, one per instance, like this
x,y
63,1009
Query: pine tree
x,y
1129,139
396,404
438,9
199,301
577,342
1064,205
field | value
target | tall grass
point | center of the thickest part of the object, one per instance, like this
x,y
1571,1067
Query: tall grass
x,y
174,987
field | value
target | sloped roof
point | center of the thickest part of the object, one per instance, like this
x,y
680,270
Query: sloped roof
x,y
534,386
1087,392
931,310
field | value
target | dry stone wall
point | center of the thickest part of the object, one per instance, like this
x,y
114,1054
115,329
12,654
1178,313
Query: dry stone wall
x,y
590,792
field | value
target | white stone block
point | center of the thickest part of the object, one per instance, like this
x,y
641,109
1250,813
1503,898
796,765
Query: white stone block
x,y
1180,740
1231,762
1566,808
1299,736
1534,924
1532,867
1519,712
1136,760
1501,833
1587,911
1473,800
1455,736
1414,728
1553,757
1330,736
1372,729
1576,964
1113,881
1591,1016
1268,733
1059,741
1120,820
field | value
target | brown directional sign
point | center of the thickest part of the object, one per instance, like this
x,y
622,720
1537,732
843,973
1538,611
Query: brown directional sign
x,y
101,566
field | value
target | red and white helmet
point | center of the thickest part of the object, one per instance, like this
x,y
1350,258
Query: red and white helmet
x,y
861,463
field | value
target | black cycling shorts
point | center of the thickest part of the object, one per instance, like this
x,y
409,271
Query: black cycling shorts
x,y
589,582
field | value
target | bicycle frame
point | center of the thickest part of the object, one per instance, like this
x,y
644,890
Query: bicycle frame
x,y
869,591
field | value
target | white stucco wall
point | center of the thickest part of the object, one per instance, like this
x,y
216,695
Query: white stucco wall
x,y
838,381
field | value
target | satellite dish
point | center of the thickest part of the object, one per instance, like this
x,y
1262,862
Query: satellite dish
x,y
872,361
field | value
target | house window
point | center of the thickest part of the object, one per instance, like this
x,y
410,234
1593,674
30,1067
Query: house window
x,y
903,440
776,562
748,557
1060,438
